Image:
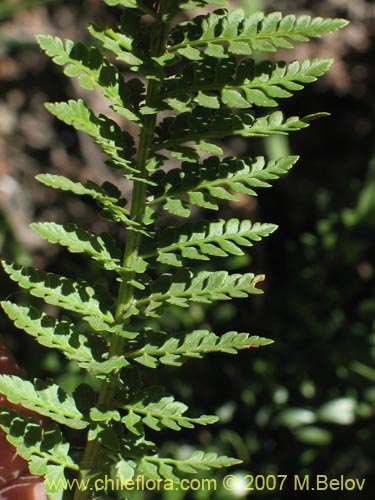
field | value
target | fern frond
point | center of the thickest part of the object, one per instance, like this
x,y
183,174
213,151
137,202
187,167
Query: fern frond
x,y
120,44
100,248
222,33
45,398
190,90
43,447
204,124
107,193
95,72
115,143
184,287
50,332
157,410
77,296
107,196
33,441
102,368
214,179
154,348
62,335
156,467
206,239
212,82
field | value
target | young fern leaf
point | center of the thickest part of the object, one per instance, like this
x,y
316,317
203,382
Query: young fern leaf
x,y
188,91
95,72
202,125
166,468
157,410
106,133
107,196
212,82
120,44
222,33
207,239
45,398
62,335
77,296
101,248
184,287
214,179
50,332
44,447
155,348
155,467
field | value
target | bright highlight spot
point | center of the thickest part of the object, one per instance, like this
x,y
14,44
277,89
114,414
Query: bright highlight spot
x,y
239,486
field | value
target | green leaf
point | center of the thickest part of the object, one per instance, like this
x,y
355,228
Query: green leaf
x,y
207,100
95,72
120,44
54,475
45,398
77,296
64,336
234,99
125,470
206,239
106,133
200,181
37,444
176,207
99,193
101,248
221,33
154,348
112,365
158,410
154,466
133,423
239,85
43,447
203,124
50,332
184,287
107,195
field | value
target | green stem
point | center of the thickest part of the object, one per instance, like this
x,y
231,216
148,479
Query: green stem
x,y
125,295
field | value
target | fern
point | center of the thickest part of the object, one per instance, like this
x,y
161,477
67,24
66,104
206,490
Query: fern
x,y
47,399
222,33
157,410
214,179
152,349
192,86
117,144
203,240
213,82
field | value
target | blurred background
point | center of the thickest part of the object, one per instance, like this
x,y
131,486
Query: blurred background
x,y
305,404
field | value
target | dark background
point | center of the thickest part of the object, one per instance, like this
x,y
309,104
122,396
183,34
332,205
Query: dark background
x,y
304,405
